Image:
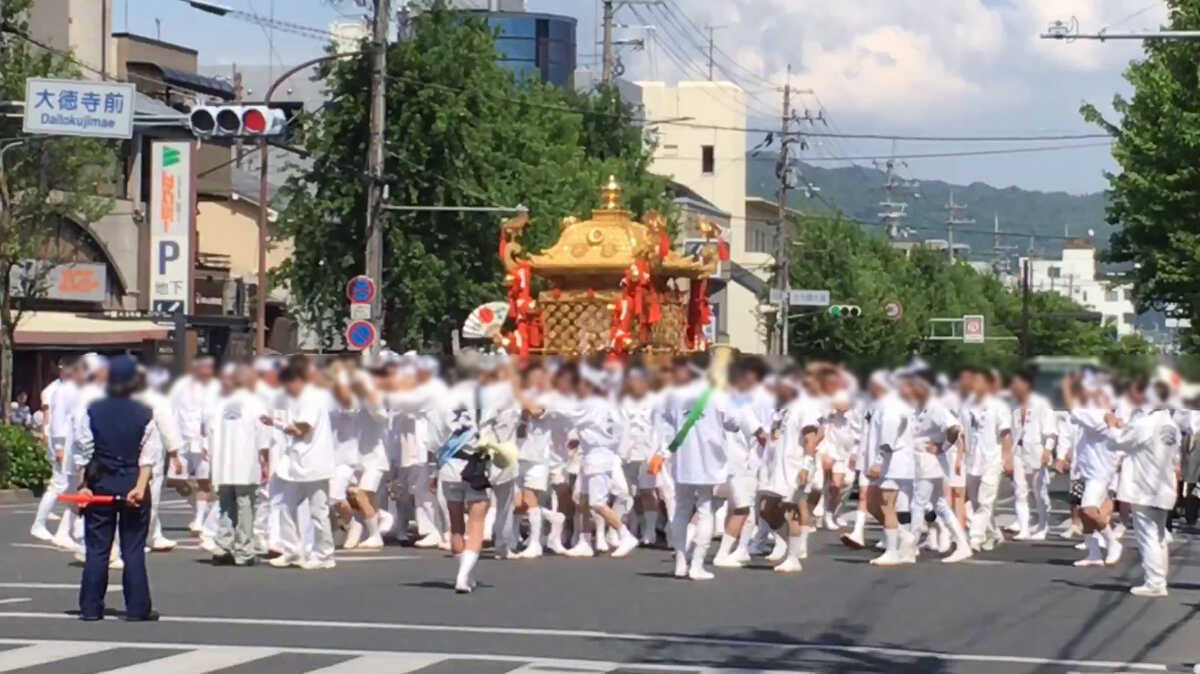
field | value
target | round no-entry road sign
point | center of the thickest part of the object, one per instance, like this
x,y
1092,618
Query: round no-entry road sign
x,y
361,290
360,335
893,310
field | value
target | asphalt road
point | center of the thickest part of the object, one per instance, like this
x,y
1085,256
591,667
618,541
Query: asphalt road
x,y
1021,608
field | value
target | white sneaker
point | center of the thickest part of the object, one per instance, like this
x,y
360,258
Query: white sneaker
x,y
581,549
988,545
1038,534
208,545
681,566
613,538
464,588
726,562
625,545
945,542
444,544
531,551
80,556
1089,561
1013,527
386,522
317,565
116,563
779,551
427,541
372,543
908,549
831,522
283,562
789,565
66,543
1070,532
354,532
1144,591
960,553
699,573
554,545
41,533
854,540
195,526
162,544
932,541
1114,554
602,544
741,556
888,558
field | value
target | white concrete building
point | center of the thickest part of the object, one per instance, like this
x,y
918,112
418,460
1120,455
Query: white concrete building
x,y
1076,275
712,162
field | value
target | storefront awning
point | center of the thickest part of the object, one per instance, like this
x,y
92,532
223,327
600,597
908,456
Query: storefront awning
x,y
60,328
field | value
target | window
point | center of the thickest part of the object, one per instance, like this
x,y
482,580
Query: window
x,y
1128,319
1111,296
707,160
1054,272
670,151
1084,295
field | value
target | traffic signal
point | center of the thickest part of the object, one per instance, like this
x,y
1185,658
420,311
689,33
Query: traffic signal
x,y
237,121
845,311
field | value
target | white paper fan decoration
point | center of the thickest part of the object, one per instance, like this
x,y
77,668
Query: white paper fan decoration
x,y
485,321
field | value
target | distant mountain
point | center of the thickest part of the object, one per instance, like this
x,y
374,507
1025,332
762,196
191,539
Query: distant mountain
x,y
857,191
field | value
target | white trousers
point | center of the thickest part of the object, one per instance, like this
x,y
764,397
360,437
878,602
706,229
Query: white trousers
x,y
932,492
981,492
157,479
414,480
314,495
59,483
1031,483
504,532
1149,529
688,498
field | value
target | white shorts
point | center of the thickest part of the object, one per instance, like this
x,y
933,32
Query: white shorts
x,y
195,467
739,492
1095,493
595,487
344,477
461,492
534,476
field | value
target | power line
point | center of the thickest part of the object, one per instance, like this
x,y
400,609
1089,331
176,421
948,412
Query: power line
x,y
928,155
882,136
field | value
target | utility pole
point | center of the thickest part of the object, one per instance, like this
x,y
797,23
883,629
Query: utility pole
x,y
1026,346
609,56
952,220
783,275
374,252
402,17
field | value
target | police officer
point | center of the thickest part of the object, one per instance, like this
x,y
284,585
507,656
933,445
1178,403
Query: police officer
x,y
113,437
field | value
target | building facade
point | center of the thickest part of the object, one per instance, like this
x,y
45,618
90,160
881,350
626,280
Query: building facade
x,y
705,151
1077,276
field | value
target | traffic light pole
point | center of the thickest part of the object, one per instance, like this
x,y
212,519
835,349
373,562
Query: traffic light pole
x,y
260,310
374,252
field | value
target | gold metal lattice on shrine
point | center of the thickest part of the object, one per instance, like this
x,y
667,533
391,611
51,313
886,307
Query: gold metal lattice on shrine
x,y
614,284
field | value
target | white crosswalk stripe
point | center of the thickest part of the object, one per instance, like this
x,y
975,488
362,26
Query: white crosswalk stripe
x,y
41,653
198,661
164,658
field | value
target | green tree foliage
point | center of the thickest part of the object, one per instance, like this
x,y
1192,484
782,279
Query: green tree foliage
x,y
460,132
44,178
23,461
864,269
1155,198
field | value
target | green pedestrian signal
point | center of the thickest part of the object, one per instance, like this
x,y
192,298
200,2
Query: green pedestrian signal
x,y
845,311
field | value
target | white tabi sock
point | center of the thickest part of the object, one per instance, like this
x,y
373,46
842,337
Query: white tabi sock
x,y
892,537
726,547
535,526
201,511
798,546
860,522
373,525
557,520
466,564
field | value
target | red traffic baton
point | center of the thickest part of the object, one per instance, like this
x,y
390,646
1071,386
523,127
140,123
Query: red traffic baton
x,y
84,500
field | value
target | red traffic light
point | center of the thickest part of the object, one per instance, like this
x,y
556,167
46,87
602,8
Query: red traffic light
x,y
254,121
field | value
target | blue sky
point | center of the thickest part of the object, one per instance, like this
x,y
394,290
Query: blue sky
x,y
951,67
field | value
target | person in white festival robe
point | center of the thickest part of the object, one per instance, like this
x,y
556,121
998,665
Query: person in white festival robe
x,y
238,442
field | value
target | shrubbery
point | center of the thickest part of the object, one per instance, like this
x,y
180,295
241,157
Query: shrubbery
x,y
23,461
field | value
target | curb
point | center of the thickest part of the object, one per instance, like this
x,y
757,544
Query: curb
x,y
15,495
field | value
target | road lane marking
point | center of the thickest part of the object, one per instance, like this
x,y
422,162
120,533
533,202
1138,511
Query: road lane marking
x,y
199,661
374,558
396,658
46,652
37,546
629,636
16,600
41,586
393,664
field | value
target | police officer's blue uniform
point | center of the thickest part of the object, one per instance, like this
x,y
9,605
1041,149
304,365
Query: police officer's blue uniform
x,y
118,427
